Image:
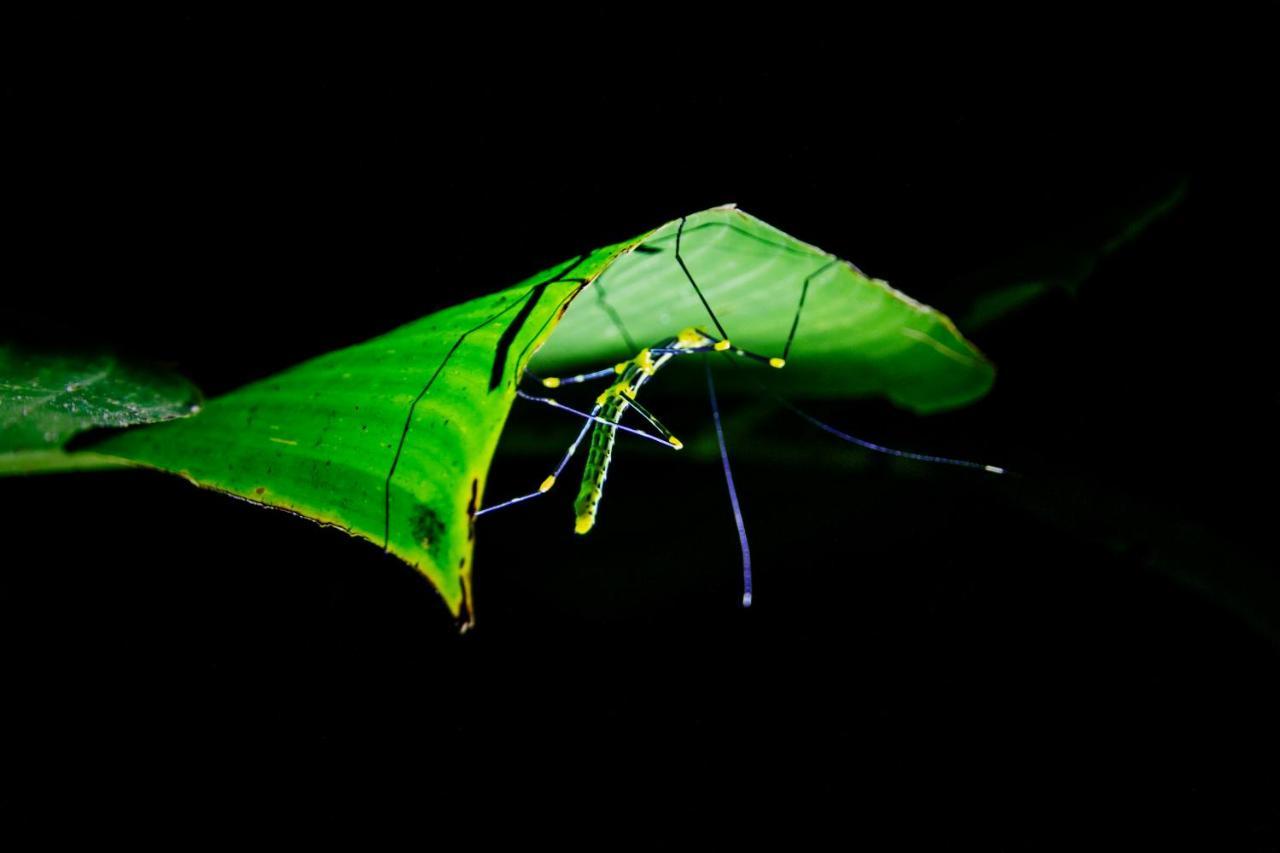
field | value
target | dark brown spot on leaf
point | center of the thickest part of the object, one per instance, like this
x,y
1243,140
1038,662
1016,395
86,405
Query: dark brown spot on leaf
x,y
464,608
428,529
471,509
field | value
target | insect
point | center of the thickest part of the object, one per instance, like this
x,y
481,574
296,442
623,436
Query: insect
x,y
391,439
604,420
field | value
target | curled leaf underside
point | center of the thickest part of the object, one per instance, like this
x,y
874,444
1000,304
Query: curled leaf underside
x,y
391,439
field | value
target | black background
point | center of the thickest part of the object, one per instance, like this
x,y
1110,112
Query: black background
x,y
1090,645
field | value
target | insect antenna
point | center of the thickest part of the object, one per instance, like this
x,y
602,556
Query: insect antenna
x,y
653,421
870,445
556,404
733,492
888,451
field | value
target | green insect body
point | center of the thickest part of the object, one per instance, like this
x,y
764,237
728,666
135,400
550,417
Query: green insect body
x,y
599,455
613,403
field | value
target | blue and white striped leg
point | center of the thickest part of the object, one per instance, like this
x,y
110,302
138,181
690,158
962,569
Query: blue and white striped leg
x,y
551,480
556,404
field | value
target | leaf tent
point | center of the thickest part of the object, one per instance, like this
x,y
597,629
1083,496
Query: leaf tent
x,y
391,439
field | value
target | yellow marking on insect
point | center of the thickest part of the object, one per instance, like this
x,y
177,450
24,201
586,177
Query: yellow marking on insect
x,y
691,337
584,522
547,483
721,346
287,441
620,367
777,362
644,361
675,442
551,382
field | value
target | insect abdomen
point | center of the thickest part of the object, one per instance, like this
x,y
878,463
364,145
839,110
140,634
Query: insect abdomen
x,y
599,455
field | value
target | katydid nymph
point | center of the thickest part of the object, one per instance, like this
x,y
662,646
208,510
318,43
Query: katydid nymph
x,y
604,419
391,439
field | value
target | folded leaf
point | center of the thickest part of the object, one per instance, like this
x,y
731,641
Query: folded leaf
x,y
855,336
391,440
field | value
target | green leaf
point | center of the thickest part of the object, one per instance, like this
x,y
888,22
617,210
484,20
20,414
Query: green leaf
x,y
47,399
856,335
391,440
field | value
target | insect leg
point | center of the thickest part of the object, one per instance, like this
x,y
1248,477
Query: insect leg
x,y
733,492
614,318
696,289
551,480
680,350
804,291
556,404
720,346
653,421
556,382
723,344
772,361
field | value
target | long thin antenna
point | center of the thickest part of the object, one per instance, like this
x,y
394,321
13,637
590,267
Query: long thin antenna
x,y
556,404
870,445
733,492
878,448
